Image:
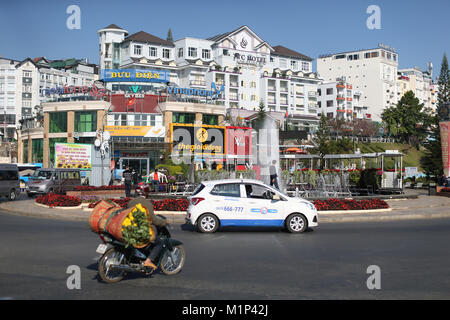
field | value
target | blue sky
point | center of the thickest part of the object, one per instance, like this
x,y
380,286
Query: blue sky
x,y
418,30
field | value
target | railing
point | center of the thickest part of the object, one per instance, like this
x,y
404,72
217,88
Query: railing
x,y
197,83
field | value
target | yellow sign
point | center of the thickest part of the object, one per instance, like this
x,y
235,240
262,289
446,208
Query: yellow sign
x,y
135,131
202,135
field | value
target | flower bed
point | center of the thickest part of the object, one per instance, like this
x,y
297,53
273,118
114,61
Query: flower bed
x,y
344,204
445,189
158,205
57,200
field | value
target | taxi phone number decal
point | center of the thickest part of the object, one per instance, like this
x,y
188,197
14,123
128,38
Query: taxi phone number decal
x,y
231,209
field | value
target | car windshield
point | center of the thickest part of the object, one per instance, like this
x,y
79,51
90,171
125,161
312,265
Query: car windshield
x,y
42,175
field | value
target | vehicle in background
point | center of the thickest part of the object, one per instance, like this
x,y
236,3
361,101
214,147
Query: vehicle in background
x,y
26,170
53,180
9,181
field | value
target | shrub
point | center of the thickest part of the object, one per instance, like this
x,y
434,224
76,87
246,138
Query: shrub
x,y
344,204
57,200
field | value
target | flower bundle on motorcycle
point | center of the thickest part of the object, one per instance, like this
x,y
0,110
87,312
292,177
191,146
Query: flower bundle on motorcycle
x,y
131,226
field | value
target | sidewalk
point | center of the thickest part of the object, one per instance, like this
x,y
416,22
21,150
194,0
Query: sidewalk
x,y
422,207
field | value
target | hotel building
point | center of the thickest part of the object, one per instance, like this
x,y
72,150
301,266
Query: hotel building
x,y
371,71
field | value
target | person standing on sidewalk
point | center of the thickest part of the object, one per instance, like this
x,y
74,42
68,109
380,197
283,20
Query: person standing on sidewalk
x,y
127,176
273,175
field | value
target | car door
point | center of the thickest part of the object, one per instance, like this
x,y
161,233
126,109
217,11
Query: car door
x,y
259,208
226,202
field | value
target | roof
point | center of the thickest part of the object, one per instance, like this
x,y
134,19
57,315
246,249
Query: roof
x,y
283,51
145,37
113,26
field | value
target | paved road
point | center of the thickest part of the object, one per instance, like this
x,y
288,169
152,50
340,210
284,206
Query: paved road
x,y
327,263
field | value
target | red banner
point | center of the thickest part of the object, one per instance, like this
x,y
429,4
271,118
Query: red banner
x,y
445,140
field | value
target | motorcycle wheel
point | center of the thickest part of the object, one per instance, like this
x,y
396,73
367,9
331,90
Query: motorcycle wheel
x,y
170,267
111,257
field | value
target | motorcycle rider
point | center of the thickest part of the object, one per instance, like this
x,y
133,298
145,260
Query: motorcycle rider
x,y
156,221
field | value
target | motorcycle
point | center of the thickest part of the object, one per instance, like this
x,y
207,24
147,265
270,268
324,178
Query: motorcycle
x,y
118,259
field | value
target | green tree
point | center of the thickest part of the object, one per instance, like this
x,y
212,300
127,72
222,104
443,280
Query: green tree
x,y
169,35
408,120
321,139
431,161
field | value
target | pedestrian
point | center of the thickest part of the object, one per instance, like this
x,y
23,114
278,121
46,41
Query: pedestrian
x,y
127,177
443,180
135,182
214,166
273,175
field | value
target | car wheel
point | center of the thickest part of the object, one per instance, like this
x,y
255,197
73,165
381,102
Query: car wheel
x,y
207,223
12,195
296,223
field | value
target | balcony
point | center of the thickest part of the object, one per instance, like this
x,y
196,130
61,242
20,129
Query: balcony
x,y
234,84
197,83
284,90
299,93
271,101
340,86
340,97
273,89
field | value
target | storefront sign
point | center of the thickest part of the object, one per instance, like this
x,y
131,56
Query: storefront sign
x,y
248,59
214,93
93,91
136,131
194,139
134,155
134,75
445,141
73,156
239,142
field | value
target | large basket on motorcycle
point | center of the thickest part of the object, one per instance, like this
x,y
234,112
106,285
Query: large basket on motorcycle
x,y
114,220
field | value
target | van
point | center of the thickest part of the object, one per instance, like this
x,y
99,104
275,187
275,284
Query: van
x,y
9,181
53,180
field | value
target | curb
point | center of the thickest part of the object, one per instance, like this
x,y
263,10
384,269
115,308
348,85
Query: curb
x,y
62,208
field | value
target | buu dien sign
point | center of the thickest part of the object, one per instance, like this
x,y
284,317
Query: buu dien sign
x,y
134,75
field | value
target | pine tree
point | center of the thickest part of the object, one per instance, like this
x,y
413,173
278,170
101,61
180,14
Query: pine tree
x,y
321,139
431,162
169,35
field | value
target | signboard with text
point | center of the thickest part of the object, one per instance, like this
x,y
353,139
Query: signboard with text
x,y
136,131
195,139
73,156
134,75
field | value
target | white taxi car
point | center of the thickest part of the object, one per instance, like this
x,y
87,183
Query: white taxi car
x,y
245,202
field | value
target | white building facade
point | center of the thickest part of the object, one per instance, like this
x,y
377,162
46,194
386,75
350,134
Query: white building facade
x,y
371,71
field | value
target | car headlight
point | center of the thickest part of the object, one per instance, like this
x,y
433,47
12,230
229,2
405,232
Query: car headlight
x,y
311,206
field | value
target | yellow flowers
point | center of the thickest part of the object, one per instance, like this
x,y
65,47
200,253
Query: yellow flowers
x,y
128,221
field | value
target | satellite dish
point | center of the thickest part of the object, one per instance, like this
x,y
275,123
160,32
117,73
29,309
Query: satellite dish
x,y
106,135
97,143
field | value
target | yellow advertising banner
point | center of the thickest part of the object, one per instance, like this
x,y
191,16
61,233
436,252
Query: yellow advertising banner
x,y
136,131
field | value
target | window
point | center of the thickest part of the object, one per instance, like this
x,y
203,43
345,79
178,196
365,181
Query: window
x,y
329,103
192,52
120,119
140,120
37,148
227,190
253,97
340,56
225,52
305,66
210,119
9,175
329,91
180,52
179,117
206,54
85,121
153,52
137,50
283,63
256,192
166,53
152,120
26,74
58,122
293,65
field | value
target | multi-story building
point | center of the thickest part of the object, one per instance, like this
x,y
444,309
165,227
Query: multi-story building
x,y
25,84
421,83
372,71
250,69
339,100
